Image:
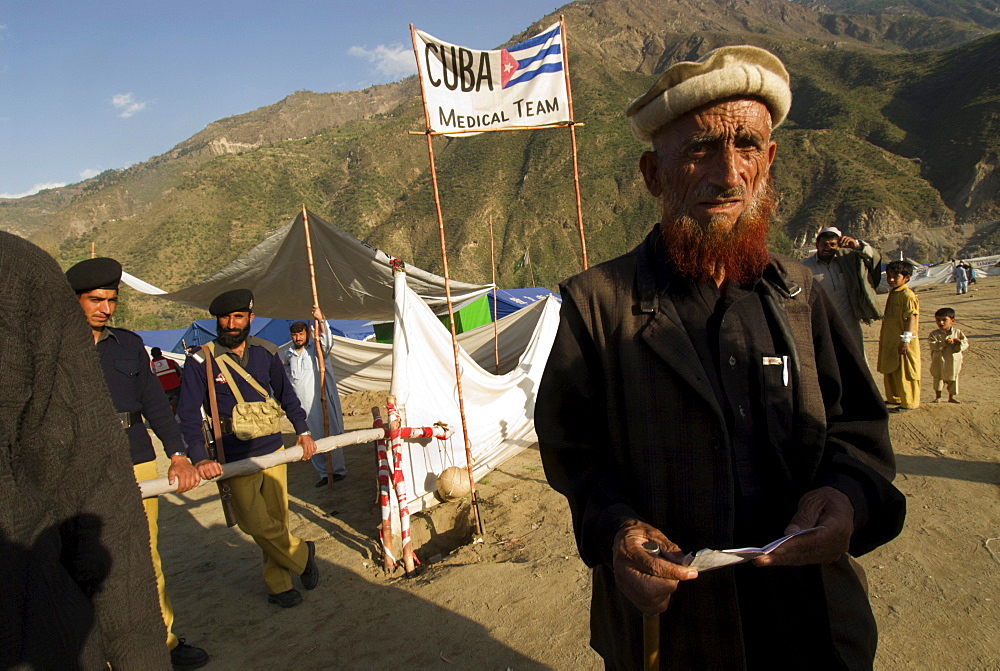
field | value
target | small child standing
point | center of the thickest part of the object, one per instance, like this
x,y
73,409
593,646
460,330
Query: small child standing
x,y
947,344
898,348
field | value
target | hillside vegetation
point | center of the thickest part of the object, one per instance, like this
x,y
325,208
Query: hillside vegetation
x,y
894,135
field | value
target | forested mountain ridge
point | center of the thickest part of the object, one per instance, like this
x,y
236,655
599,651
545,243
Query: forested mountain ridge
x,y
893,136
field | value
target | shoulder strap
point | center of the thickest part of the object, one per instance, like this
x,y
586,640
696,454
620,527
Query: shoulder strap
x,y
230,365
213,404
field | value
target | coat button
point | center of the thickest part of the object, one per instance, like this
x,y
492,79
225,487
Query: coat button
x,y
732,360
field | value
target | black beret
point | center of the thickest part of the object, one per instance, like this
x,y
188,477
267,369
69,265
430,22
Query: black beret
x,y
236,300
91,274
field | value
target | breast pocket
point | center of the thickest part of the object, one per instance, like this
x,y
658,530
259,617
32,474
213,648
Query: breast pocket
x,y
777,384
127,367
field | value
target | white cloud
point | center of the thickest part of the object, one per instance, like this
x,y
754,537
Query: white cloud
x,y
393,61
33,190
127,103
89,172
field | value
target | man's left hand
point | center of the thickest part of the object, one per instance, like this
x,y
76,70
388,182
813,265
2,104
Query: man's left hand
x,y
849,242
183,471
308,446
827,508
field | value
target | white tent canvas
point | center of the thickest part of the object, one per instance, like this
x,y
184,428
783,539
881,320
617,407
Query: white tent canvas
x,y
499,409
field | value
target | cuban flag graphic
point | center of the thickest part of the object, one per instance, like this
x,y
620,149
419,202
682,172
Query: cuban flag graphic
x,y
536,56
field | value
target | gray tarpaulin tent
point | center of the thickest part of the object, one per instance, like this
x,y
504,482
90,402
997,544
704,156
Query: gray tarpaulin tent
x,y
354,280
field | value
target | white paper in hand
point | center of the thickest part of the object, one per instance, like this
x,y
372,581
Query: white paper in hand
x,y
706,560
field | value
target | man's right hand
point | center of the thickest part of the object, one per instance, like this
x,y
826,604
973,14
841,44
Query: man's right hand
x,y
208,469
647,580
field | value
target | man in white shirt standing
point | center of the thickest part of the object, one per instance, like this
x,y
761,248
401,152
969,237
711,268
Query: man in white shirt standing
x,y
302,368
849,270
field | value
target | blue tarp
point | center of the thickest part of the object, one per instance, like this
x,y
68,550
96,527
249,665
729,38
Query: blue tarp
x,y
167,340
512,300
276,330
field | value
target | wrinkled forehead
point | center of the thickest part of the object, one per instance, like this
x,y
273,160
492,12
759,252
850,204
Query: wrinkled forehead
x,y
730,117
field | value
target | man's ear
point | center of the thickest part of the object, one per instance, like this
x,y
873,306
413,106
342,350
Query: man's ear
x,y
649,166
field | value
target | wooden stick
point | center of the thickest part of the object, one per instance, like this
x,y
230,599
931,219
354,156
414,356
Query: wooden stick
x,y
447,293
572,135
496,329
234,469
318,345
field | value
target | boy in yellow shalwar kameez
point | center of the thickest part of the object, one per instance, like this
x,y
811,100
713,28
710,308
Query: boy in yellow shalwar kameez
x,y
898,344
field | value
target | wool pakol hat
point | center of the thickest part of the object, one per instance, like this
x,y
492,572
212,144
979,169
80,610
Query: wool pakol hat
x,y
93,274
235,300
721,73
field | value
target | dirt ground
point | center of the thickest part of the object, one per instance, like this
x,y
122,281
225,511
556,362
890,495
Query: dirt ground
x,y
520,598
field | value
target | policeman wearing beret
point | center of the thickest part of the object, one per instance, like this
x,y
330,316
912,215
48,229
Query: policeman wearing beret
x,y
137,394
260,499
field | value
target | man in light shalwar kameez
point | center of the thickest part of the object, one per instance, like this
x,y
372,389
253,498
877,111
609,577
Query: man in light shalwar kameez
x,y
302,367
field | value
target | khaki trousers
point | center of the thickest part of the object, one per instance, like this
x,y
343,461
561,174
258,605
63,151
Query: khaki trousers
x,y
261,503
147,471
900,390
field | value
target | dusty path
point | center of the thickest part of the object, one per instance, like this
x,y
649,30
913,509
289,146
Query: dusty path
x,y
520,599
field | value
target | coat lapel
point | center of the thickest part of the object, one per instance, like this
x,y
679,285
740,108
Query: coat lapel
x,y
664,332
666,336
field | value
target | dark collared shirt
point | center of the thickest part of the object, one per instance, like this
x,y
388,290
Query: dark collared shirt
x,y
134,388
265,367
731,335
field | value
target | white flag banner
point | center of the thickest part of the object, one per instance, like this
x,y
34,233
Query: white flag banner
x,y
521,86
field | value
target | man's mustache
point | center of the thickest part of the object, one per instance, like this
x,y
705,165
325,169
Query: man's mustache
x,y
715,192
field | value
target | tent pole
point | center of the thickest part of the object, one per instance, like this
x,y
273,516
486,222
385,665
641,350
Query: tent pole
x,y
318,344
447,293
454,340
496,330
572,135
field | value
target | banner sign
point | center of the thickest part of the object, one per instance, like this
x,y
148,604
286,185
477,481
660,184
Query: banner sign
x,y
521,86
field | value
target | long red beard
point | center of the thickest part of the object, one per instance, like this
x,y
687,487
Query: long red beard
x,y
739,254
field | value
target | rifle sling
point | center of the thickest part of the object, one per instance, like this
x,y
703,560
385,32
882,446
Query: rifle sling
x,y
213,406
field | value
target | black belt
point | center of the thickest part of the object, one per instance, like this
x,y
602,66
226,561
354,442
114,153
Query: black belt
x,y
130,418
226,424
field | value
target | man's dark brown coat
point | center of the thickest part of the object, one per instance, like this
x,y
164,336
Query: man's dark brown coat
x,y
77,589
629,428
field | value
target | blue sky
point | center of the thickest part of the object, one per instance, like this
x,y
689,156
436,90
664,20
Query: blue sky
x,y
88,86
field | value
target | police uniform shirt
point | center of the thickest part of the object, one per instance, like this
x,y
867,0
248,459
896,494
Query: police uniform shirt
x,y
134,388
262,363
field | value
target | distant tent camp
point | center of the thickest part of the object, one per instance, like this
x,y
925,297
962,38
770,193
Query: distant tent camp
x,y
512,300
202,331
354,280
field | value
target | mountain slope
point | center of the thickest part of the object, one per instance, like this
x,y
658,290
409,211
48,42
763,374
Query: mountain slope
x,y
884,143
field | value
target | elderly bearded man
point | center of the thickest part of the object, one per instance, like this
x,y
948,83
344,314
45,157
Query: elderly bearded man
x,y
754,416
